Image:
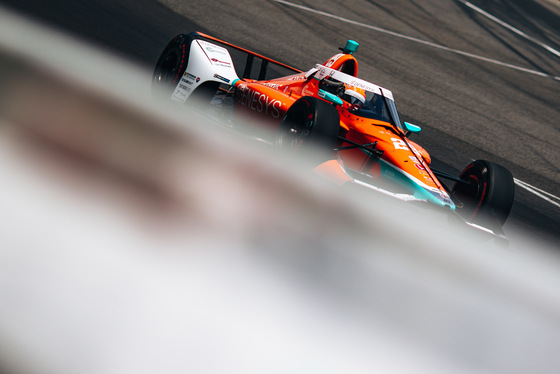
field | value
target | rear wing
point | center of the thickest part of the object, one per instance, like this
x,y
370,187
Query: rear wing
x,y
249,64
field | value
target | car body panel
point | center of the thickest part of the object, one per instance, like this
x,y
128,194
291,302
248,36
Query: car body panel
x,y
394,163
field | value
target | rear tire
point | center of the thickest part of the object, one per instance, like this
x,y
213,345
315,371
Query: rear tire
x,y
310,126
488,198
171,65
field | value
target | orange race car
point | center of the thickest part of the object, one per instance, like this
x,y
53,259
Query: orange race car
x,y
353,123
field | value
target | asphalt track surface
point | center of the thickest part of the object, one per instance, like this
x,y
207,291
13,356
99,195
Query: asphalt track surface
x,y
481,78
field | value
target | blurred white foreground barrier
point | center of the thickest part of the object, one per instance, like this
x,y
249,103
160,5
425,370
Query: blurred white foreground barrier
x,y
136,238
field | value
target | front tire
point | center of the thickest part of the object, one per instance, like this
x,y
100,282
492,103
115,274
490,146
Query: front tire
x,y
311,126
488,196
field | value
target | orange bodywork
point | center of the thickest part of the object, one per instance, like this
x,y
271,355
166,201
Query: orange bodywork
x,y
269,100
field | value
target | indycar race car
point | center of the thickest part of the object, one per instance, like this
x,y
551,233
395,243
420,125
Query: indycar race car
x,y
354,124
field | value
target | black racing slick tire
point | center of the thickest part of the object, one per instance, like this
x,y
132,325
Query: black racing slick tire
x,y
310,126
488,195
171,65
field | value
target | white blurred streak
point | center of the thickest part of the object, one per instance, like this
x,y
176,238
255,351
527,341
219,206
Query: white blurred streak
x,y
136,238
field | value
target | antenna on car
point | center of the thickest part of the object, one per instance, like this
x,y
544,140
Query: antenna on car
x,y
351,47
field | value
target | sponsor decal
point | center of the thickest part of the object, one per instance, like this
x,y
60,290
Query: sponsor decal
x,y
217,55
184,88
306,91
221,78
213,48
366,87
333,60
180,93
272,85
197,79
297,78
187,81
420,167
223,64
258,102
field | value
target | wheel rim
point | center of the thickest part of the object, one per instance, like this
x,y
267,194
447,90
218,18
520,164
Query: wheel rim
x,y
167,69
472,194
297,133
298,128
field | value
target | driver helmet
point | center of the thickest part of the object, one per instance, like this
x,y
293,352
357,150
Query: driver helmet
x,y
354,95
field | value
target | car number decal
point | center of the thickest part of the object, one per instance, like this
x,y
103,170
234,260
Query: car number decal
x,y
399,144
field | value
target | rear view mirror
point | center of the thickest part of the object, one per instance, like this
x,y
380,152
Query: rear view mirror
x,y
410,128
330,97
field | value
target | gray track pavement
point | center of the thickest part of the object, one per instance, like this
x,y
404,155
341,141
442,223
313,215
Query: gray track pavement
x,y
469,107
